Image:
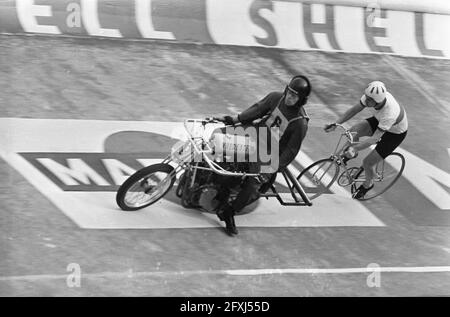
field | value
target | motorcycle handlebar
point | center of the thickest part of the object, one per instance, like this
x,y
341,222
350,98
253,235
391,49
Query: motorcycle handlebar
x,y
212,120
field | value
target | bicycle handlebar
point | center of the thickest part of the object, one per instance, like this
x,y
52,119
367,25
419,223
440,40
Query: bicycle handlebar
x,y
347,132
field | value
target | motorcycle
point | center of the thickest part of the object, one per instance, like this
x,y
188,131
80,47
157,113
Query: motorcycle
x,y
205,172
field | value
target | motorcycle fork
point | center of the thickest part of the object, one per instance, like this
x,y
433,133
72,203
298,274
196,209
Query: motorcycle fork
x,y
194,174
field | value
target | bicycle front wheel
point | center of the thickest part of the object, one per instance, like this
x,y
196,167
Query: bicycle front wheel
x,y
317,178
387,172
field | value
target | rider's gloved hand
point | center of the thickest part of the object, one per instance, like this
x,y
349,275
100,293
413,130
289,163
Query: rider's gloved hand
x,y
228,120
265,177
330,127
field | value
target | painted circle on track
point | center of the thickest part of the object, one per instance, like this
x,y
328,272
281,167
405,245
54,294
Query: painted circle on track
x,y
157,145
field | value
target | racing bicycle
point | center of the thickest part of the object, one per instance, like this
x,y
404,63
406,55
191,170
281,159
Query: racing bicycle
x,y
317,178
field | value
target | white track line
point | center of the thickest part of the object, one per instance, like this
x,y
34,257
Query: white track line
x,y
131,274
420,269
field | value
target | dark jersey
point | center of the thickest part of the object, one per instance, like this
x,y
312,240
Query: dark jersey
x,y
292,122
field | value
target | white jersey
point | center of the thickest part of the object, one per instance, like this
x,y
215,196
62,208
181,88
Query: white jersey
x,y
392,117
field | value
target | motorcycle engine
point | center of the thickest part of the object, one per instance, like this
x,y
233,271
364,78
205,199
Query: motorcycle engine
x,y
206,197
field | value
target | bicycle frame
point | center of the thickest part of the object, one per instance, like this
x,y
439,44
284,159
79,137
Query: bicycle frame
x,y
349,136
379,174
337,156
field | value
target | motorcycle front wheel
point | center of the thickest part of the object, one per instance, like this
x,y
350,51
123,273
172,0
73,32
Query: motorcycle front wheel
x,y
145,187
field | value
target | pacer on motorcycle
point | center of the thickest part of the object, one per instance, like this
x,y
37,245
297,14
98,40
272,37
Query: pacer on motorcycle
x,y
285,111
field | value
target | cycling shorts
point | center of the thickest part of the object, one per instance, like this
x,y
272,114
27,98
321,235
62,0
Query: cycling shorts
x,y
388,142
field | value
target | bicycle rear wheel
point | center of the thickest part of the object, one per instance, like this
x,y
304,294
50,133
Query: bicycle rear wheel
x,y
387,172
317,178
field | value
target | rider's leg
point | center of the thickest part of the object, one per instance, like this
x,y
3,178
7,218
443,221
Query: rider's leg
x,y
362,128
248,193
387,144
226,213
369,163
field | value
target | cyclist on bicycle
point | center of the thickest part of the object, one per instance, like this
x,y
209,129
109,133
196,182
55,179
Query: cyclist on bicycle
x,y
387,128
278,109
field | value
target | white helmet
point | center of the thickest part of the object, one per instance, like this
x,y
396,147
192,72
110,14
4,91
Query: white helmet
x,y
376,90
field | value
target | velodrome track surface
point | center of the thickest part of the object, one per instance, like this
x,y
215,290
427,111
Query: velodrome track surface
x,y
86,79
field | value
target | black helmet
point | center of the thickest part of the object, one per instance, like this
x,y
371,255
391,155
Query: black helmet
x,y
300,85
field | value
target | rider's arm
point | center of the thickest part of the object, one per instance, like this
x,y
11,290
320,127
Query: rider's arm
x,y
288,154
350,113
259,109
